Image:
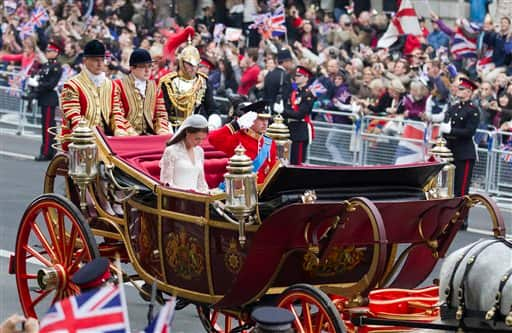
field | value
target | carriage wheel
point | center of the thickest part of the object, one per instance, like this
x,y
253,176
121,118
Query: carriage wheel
x,y
57,179
215,321
312,309
53,241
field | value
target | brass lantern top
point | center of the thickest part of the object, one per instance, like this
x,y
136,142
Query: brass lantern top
x,y
278,130
441,151
240,163
82,134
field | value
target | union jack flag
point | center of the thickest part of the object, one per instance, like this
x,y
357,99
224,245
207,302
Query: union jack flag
x,y
411,148
100,310
39,16
317,88
274,3
277,22
162,323
259,20
26,30
507,153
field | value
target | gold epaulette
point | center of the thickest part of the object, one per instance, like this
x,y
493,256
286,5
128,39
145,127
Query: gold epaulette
x,y
168,77
203,75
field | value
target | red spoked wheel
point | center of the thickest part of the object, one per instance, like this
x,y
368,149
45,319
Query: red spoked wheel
x,y
215,321
313,310
53,241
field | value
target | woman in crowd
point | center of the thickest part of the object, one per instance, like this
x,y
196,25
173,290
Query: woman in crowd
x,y
182,164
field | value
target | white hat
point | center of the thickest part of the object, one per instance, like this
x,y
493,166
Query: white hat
x,y
195,121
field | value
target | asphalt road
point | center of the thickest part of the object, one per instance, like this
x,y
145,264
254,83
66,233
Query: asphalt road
x,y
21,181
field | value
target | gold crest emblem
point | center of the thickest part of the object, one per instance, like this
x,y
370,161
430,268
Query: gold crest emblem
x,y
233,259
184,255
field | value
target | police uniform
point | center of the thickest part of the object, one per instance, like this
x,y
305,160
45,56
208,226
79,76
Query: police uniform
x,y
184,95
297,113
463,118
48,100
259,148
99,105
278,83
143,110
92,275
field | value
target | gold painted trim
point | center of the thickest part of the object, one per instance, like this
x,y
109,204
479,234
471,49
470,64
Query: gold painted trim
x,y
161,238
108,234
200,220
208,259
475,199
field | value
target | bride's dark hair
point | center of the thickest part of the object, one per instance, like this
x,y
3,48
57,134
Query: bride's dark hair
x,y
175,139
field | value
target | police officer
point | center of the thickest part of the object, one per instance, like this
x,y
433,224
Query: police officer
x,y
460,126
277,86
94,274
297,113
47,97
271,319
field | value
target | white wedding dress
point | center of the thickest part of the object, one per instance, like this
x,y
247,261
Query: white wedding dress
x,y
178,171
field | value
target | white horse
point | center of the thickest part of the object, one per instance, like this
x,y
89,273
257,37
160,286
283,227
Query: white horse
x,y
482,265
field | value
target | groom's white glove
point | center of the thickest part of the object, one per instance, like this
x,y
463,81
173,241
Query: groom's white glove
x,y
247,120
445,128
32,81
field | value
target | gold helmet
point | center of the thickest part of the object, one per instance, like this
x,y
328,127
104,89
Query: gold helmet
x,y
189,54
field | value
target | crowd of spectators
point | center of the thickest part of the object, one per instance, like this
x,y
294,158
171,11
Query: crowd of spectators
x,y
411,79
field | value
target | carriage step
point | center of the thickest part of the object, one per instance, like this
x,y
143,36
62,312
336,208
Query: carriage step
x,y
12,264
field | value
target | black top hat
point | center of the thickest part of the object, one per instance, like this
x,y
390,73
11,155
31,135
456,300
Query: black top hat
x,y
283,54
273,319
92,274
140,56
259,107
94,48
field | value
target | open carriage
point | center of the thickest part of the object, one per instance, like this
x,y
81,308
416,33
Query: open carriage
x,y
317,253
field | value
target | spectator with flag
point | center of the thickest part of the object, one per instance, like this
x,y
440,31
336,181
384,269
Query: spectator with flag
x,y
501,44
297,112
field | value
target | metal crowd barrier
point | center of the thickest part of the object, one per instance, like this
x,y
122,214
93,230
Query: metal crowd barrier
x,y
371,140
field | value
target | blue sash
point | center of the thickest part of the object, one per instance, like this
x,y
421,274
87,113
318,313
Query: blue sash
x,y
259,160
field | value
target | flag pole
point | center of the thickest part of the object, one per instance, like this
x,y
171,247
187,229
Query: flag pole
x,y
122,291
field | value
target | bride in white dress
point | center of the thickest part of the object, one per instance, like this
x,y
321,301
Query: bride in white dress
x,y
182,164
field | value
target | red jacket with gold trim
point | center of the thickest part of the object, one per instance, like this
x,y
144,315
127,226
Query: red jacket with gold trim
x,y
228,137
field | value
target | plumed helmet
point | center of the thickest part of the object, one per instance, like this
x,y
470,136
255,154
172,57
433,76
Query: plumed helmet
x,y
190,54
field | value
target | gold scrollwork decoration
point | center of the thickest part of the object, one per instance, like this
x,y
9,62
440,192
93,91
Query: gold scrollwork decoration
x,y
338,260
185,255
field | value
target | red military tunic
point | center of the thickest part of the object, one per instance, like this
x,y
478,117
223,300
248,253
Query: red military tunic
x,y
145,113
98,105
227,138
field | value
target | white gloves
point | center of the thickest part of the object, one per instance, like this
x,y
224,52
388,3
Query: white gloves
x,y
214,121
445,128
279,107
247,120
32,82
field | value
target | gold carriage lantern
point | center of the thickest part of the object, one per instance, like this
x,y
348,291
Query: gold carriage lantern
x,y
82,158
242,195
280,133
445,178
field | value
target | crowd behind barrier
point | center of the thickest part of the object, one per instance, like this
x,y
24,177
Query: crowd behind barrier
x,y
350,143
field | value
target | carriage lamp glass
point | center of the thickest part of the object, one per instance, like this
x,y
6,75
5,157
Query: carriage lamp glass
x,y
82,158
242,196
280,133
446,177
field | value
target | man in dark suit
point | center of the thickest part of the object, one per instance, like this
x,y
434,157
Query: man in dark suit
x,y
460,126
47,97
278,85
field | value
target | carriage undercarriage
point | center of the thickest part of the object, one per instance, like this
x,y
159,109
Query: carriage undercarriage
x,y
361,233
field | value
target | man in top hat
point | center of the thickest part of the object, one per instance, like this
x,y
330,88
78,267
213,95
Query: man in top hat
x,y
92,275
47,79
93,96
460,126
248,129
297,113
138,96
278,85
186,91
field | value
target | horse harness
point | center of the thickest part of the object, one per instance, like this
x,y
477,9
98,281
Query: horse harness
x,y
462,312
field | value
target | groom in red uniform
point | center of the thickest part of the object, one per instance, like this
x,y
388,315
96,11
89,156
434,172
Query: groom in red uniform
x,y
248,130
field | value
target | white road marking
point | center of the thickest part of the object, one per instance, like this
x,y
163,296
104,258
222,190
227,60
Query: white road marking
x,y
16,155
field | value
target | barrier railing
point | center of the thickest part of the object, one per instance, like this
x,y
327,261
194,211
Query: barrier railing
x,y
344,138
